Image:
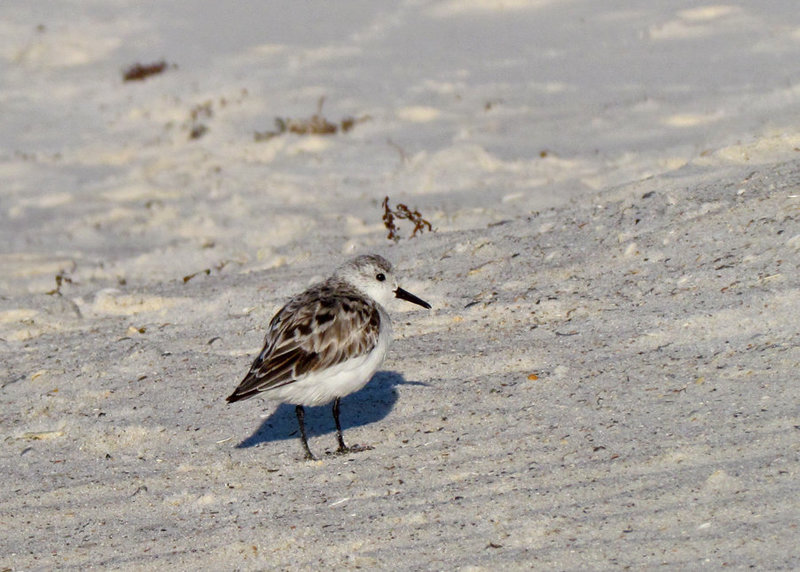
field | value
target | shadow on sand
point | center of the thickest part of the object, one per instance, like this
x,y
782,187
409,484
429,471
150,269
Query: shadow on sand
x,y
371,403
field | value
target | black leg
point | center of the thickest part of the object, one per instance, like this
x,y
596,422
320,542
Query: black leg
x,y
300,414
342,447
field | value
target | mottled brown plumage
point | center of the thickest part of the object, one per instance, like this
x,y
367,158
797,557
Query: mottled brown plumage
x,y
324,326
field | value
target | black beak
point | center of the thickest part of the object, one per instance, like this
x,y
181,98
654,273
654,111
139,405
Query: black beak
x,y
409,297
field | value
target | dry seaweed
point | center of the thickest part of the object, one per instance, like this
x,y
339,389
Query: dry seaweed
x,y
314,125
61,278
402,212
140,72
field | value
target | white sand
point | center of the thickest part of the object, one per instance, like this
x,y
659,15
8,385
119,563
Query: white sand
x,y
608,377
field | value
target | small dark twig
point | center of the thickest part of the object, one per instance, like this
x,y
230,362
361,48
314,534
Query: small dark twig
x,y
61,278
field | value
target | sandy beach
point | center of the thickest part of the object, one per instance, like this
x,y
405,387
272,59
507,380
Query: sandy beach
x,y
608,377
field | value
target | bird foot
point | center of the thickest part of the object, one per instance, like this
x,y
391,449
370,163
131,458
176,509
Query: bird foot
x,y
353,449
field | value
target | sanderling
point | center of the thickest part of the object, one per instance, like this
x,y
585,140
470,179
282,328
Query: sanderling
x,y
328,341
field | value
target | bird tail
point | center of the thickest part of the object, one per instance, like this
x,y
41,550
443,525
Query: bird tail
x,y
245,390
238,396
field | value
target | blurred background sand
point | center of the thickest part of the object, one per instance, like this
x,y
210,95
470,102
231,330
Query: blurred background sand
x,y
608,376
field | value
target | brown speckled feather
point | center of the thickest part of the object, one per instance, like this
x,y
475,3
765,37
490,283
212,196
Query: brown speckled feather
x,y
326,325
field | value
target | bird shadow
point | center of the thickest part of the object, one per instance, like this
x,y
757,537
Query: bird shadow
x,y
371,403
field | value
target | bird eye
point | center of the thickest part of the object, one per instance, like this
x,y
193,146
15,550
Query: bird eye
x,y
380,276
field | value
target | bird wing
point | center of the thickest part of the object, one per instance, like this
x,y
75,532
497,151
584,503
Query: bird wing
x,y
314,331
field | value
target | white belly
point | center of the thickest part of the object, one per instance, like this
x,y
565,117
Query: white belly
x,y
324,386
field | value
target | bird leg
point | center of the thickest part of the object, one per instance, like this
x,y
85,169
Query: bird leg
x,y
342,447
300,414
